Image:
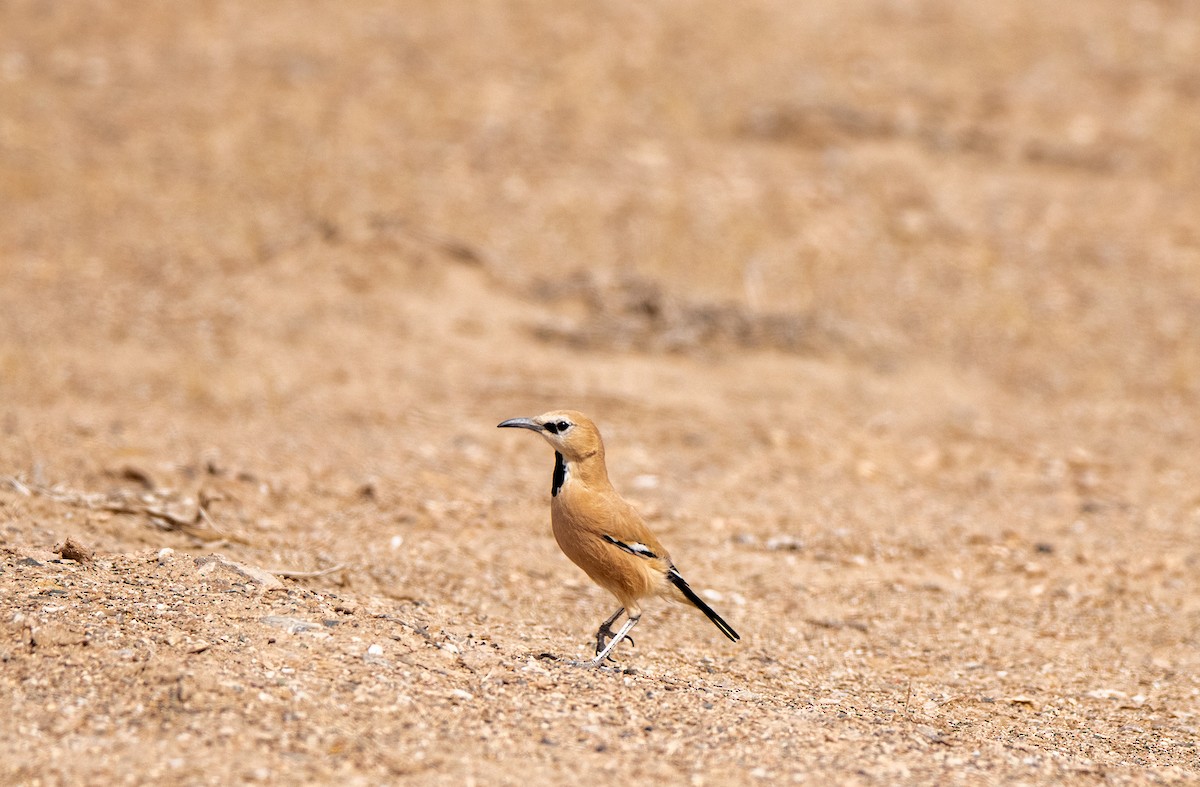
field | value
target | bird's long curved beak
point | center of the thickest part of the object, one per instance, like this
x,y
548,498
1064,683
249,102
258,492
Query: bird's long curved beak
x,y
521,423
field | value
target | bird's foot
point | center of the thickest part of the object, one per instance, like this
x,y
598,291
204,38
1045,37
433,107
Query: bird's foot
x,y
603,635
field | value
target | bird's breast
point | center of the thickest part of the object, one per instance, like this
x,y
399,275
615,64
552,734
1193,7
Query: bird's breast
x,y
580,520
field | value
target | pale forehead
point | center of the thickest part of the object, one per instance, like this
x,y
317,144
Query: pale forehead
x,y
574,416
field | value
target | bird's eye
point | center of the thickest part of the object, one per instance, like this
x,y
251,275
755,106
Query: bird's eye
x,y
563,425
555,427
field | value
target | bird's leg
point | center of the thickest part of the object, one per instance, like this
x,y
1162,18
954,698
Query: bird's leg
x,y
605,632
629,624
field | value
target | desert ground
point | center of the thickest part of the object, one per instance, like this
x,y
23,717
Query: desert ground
x,y
888,310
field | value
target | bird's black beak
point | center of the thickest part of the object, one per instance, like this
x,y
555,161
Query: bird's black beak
x,y
521,423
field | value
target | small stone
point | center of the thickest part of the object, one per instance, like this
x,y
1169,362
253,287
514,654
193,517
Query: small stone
x,y
930,733
73,550
533,666
290,625
785,543
54,635
236,572
38,556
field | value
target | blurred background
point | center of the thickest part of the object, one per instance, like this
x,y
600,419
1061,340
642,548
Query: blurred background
x,y
1007,189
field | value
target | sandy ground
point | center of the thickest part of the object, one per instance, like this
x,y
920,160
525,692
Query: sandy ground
x,y
889,313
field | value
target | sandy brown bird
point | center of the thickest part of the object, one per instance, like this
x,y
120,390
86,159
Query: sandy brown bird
x,y
601,533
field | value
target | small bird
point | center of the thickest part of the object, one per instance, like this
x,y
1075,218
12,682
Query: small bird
x,y
603,534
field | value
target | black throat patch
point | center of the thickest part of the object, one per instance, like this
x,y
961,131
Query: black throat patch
x,y
560,474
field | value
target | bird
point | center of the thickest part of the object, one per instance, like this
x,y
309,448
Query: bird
x,y
602,533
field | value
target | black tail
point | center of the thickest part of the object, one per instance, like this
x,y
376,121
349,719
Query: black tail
x,y
691,596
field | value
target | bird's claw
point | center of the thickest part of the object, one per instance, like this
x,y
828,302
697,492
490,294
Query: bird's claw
x,y
603,635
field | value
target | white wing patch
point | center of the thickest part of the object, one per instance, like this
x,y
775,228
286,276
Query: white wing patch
x,y
635,548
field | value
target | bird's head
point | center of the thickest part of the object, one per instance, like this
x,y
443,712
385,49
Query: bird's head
x,y
568,432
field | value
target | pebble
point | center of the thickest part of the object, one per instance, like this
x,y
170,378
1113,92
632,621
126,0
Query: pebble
x,y
532,666
236,572
290,625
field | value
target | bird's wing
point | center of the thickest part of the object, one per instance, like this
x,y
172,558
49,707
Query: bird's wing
x,y
626,531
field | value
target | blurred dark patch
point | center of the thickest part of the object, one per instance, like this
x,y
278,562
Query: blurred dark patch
x,y
828,125
633,313
814,125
